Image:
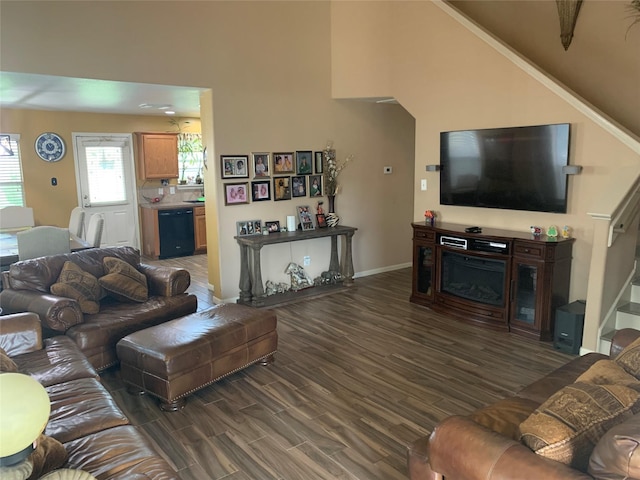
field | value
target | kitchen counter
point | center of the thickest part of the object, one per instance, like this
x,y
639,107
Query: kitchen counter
x,y
170,206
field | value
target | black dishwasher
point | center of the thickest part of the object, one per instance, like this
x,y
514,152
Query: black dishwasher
x,y
176,232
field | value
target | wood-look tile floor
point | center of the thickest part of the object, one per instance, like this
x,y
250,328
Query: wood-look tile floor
x,y
358,376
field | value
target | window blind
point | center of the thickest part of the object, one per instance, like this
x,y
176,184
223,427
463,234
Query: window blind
x,y
11,181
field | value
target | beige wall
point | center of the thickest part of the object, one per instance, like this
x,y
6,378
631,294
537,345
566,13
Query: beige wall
x,y
602,63
53,204
268,67
453,81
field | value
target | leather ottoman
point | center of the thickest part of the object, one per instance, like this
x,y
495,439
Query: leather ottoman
x,y
176,358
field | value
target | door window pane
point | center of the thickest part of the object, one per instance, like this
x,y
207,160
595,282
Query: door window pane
x,y
105,171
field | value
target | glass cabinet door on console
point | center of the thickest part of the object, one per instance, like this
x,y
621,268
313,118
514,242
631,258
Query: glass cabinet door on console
x,y
424,273
541,272
423,265
524,295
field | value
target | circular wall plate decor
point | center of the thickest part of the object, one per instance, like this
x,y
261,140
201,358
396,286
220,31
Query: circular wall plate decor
x,y
50,147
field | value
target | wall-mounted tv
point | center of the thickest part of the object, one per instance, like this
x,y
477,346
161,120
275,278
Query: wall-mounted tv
x,y
516,168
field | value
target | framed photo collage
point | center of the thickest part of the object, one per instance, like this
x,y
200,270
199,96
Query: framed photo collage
x,y
274,176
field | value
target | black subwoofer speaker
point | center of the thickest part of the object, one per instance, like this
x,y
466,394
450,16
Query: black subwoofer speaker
x,y
569,326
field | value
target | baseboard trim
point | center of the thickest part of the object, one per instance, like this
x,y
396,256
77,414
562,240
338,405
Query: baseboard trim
x,y
389,268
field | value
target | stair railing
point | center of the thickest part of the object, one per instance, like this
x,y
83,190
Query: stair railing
x,y
615,234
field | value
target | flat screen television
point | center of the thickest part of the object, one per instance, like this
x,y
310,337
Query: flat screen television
x,y
516,168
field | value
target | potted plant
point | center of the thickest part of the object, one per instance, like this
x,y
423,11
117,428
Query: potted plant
x,y
189,152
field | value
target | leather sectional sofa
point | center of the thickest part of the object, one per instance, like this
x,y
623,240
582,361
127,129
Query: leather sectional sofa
x,y
96,435
115,314
581,420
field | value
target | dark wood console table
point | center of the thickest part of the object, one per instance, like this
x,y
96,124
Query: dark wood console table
x,y
502,279
251,286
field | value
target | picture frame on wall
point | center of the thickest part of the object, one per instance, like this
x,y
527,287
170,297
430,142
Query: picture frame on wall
x,y
236,193
272,227
249,227
260,191
281,188
315,185
304,162
234,166
305,218
261,164
299,186
283,163
318,164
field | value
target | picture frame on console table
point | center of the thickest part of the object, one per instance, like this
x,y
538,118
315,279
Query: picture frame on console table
x,y
249,227
272,227
305,218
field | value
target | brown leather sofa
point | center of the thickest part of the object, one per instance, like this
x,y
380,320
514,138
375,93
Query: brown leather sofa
x,y
27,286
486,444
96,434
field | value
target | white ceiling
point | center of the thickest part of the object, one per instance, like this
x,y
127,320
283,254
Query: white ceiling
x,y
46,92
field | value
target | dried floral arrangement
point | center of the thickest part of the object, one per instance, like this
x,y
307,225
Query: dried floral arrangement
x,y
634,8
332,169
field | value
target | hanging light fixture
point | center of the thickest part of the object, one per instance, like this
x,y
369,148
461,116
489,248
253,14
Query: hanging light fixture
x,y
568,12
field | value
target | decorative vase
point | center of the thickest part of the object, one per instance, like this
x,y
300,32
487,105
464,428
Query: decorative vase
x,y
332,218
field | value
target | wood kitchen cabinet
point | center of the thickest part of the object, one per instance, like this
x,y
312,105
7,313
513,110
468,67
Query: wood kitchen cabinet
x,y
200,229
150,233
157,155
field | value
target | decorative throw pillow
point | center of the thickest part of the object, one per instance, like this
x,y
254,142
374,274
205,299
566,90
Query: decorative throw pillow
x,y
570,423
629,358
505,416
608,372
48,455
123,281
75,283
6,364
617,454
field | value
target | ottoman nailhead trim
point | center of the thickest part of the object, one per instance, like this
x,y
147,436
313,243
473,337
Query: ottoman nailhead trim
x,y
99,369
221,377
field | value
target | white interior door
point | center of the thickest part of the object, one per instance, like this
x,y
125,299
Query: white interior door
x,y
105,176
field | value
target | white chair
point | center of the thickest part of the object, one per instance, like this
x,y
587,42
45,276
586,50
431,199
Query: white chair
x,y
42,241
94,230
14,217
76,221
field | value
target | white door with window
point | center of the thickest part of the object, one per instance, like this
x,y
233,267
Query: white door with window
x,y
105,176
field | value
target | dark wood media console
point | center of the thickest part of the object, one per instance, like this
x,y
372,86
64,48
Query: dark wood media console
x,y
498,278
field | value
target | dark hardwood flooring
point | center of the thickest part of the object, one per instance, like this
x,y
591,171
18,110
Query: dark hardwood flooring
x,y
358,376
